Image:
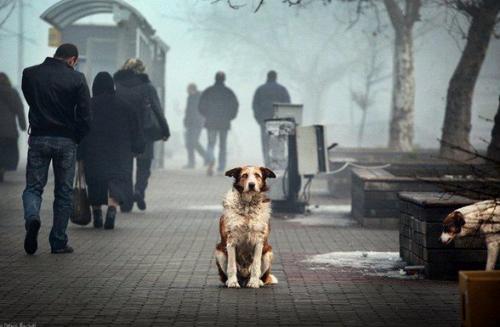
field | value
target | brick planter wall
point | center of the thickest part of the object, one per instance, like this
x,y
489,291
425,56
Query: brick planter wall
x,y
374,192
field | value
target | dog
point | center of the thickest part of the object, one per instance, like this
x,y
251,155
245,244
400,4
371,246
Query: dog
x,y
244,255
482,217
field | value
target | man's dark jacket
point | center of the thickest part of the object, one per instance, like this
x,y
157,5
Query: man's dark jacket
x,y
267,94
59,100
219,106
494,147
193,119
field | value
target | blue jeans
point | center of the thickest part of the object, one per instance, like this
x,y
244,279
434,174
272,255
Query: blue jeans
x,y
212,140
62,152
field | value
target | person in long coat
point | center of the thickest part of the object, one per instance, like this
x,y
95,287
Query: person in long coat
x,y
265,96
107,151
494,146
11,110
193,123
219,106
134,86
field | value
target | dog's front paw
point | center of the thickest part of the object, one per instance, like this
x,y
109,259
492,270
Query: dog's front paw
x,y
232,283
253,283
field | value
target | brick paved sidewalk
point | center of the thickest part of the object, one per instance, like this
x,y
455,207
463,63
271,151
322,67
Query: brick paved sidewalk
x,y
156,268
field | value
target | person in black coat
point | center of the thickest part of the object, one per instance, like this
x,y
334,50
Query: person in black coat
x,y
493,151
134,86
193,122
59,116
11,110
107,151
219,105
265,96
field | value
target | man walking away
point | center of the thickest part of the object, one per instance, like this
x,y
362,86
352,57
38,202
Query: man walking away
x,y
219,106
266,95
58,98
193,122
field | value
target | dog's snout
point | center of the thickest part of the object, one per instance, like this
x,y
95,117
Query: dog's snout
x,y
251,186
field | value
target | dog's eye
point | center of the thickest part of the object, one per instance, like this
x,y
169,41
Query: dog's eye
x,y
258,176
244,176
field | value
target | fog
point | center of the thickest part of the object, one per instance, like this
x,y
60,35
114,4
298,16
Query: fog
x,y
318,54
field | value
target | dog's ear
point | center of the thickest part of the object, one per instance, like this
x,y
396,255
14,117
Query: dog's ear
x,y
235,172
267,173
459,219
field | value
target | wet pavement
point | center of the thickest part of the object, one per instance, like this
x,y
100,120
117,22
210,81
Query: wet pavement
x,y
157,268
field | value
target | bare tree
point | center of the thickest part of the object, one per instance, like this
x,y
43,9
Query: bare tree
x,y
403,91
6,9
483,16
364,97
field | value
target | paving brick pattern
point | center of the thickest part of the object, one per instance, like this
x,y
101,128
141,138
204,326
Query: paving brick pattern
x,y
156,269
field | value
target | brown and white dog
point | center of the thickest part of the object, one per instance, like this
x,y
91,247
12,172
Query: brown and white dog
x,y
482,217
244,255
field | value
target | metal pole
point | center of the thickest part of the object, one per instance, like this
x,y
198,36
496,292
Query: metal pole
x,y
20,42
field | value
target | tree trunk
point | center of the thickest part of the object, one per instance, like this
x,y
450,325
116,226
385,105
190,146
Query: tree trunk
x,y
361,131
403,92
457,120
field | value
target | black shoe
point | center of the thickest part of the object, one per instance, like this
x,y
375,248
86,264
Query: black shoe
x,y
110,218
126,207
66,249
30,242
97,214
141,204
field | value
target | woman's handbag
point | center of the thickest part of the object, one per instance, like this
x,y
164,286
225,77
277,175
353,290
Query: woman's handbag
x,y
152,127
81,207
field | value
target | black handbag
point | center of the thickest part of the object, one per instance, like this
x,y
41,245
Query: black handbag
x,y
81,206
152,127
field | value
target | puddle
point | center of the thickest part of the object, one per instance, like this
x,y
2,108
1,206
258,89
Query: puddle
x,y
383,264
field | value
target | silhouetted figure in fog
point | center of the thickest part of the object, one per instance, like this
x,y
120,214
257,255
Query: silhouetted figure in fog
x,y
11,110
107,151
193,122
133,85
494,147
59,98
219,106
265,96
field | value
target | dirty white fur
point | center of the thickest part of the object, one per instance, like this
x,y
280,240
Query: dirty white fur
x,y
482,217
246,218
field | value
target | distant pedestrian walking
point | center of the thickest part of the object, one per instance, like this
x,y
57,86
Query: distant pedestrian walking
x,y
58,98
193,123
265,96
219,106
494,147
107,151
133,86
11,110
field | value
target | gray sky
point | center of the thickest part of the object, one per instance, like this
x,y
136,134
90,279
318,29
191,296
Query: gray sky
x,y
196,54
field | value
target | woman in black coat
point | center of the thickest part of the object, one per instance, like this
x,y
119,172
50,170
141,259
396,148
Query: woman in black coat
x,y
108,150
11,109
133,85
